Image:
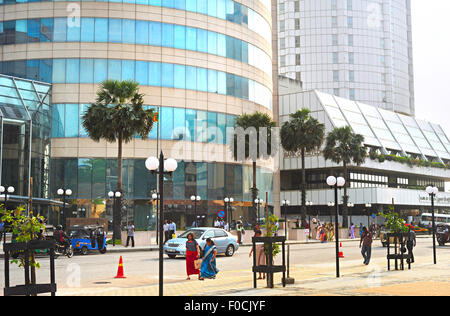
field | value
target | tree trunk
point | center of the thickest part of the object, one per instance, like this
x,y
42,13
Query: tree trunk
x,y
303,188
254,193
117,212
345,200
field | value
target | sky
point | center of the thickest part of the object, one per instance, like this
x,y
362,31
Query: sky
x,y
431,54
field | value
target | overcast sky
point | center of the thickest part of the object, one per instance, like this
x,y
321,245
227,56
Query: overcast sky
x,y
431,52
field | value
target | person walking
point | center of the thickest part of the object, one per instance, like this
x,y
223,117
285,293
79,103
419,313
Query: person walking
x,y
240,232
166,231
259,254
410,244
361,228
192,254
130,234
352,231
209,269
366,241
226,226
172,228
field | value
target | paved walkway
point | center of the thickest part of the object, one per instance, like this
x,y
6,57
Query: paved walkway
x,y
424,279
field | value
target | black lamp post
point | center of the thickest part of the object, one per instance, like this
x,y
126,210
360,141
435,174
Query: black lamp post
x,y
258,202
195,199
336,183
433,191
285,203
116,196
5,191
228,201
155,197
64,193
161,167
309,204
368,206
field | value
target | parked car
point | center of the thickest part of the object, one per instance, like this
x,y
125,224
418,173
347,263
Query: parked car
x,y
225,242
443,234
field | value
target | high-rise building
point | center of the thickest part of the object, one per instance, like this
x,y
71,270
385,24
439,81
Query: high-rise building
x,y
355,49
199,63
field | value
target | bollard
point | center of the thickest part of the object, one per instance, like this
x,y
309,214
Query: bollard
x,y
288,279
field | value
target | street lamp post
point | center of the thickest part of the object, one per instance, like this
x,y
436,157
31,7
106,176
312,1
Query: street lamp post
x,y
336,183
195,199
433,191
331,204
64,193
228,202
161,167
285,203
309,204
155,197
258,202
5,191
116,195
368,206
350,205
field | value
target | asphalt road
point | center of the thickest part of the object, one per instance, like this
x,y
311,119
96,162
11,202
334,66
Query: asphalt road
x,y
95,268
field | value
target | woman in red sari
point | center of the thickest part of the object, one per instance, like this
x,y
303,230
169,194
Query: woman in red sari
x,y
192,254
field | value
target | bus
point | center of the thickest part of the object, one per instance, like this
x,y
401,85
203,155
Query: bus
x,y
425,219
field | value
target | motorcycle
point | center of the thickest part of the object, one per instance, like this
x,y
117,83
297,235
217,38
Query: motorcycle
x,y
64,249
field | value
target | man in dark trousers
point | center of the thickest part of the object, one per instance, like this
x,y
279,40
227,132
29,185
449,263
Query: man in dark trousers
x,y
411,243
130,234
366,241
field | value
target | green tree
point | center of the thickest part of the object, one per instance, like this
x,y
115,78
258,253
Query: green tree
x,y
344,146
255,124
300,135
118,115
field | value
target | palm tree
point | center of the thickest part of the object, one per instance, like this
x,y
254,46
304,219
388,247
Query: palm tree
x,y
118,115
300,135
258,121
346,147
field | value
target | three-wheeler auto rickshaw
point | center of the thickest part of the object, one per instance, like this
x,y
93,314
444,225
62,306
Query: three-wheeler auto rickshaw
x,y
88,238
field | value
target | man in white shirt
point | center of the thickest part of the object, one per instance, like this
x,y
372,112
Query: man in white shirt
x,y
172,228
226,226
217,223
166,231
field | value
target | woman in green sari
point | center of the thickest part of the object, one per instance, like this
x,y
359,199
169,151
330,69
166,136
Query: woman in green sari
x,y
208,268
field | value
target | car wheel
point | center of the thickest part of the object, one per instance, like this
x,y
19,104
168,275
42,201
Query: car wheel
x,y
84,251
172,256
230,251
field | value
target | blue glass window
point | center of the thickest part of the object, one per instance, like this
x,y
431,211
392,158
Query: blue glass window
x,y
87,29
86,71
221,128
202,126
127,69
45,70
191,78
202,6
73,32
191,38
71,120
34,30
221,82
244,56
230,85
155,34
59,71
115,30
221,9
179,122
166,122
100,70
46,30
168,3
58,120
141,2
180,4
180,36
154,74
202,79
212,81
101,30
167,75
190,124
114,69
212,127
82,110
191,5
221,45
212,8
156,3
142,32
230,47
142,72
202,41
167,35
212,43
128,31
179,76
60,31
72,71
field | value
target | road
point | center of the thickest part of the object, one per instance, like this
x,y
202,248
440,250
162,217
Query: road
x,y
141,268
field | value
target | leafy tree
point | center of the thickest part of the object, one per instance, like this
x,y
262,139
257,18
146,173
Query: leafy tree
x,y
300,135
393,222
344,146
118,115
255,123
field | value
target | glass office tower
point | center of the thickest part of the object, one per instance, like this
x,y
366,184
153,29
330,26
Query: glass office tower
x,y
200,63
355,49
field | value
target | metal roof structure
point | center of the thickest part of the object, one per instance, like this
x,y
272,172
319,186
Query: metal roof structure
x,y
387,130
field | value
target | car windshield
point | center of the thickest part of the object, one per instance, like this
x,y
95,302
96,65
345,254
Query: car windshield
x,y
197,233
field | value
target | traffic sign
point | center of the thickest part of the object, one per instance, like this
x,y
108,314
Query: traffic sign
x,y
221,214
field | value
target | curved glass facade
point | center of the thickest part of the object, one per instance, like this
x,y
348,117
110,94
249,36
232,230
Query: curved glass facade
x,y
223,9
75,70
177,123
103,30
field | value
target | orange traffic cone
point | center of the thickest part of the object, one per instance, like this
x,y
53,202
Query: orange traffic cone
x,y
341,254
120,274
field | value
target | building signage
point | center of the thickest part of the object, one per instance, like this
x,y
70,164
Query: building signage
x,y
425,198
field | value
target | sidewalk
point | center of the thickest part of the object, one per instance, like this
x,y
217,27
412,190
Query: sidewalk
x,y
424,279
